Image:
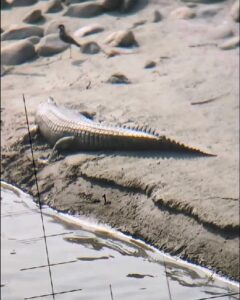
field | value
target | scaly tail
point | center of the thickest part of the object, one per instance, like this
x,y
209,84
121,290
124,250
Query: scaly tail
x,y
166,144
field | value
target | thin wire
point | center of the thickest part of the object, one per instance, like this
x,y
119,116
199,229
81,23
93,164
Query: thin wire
x,y
34,239
38,197
56,264
58,293
168,285
111,293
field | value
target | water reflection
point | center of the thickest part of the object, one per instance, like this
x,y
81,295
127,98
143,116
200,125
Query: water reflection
x,y
186,276
86,259
139,276
94,258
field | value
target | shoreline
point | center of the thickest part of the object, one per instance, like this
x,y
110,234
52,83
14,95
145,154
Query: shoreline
x,y
94,226
183,205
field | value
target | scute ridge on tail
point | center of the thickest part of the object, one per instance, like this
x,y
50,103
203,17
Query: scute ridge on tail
x,y
56,123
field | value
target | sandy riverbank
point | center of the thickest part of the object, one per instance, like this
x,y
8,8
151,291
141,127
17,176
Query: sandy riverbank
x,y
186,206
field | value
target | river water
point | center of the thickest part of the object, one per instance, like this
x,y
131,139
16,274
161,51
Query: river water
x,y
90,261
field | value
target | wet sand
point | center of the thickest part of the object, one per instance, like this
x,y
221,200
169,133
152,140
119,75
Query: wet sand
x,y
186,206
81,248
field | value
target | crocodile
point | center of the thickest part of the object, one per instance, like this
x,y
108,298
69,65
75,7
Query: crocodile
x,y
66,129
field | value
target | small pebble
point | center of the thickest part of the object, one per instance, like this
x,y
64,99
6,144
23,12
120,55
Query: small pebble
x,y
17,53
23,2
34,39
220,32
128,5
50,44
52,26
53,6
109,5
118,78
235,11
139,23
84,10
123,38
183,12
230,43
89,29
34,16
22,32
90,48
118,51
69,2
209,11
150,64
157,16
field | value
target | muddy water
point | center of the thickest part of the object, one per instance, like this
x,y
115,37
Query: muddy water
x,y
90,261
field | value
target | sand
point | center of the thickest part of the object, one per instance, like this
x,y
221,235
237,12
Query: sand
x,y
186,206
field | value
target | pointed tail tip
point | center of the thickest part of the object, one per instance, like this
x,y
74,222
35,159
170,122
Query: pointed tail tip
x,y
170,144
195,151
209,154
202,153
212,154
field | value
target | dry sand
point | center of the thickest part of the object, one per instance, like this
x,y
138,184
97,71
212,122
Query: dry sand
x,y
183,205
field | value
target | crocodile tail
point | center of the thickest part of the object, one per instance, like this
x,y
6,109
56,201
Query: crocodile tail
x,y
167,144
